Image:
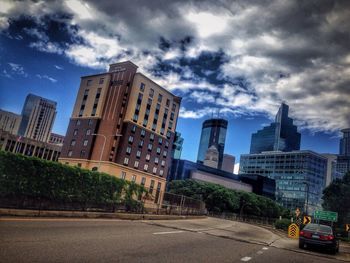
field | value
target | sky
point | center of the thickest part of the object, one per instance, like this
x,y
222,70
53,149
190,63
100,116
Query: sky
x,y
236,60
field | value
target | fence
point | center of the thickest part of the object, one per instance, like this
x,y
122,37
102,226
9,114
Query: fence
x,y
244,218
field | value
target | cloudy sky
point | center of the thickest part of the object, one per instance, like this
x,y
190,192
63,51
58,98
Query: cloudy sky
x,y
236,59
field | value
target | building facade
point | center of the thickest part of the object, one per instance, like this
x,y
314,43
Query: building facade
x,y
38,116
343,159
281,135
56,139
29,147
177,146
213,134
9,122
228,163
300,176
123,124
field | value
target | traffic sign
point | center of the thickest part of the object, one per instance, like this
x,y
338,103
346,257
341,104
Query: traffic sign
x,y
326,216
293,231
347,227
307,220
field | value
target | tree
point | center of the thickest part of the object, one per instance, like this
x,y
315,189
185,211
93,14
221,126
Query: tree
x,y
336,197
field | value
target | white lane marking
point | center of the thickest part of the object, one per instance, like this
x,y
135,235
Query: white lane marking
x,y
245,259
169,232
265,248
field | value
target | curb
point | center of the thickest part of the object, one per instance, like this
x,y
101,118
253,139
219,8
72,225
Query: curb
x,y
81,214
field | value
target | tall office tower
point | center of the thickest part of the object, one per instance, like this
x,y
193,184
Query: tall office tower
x,y
123,124
177,146
343,159
9,122
281,135
213,133
38,116
228,163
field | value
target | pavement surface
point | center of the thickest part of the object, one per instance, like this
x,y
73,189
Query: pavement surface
x,y
112,240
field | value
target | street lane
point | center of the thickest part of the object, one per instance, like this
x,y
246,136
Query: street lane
x,y
86,240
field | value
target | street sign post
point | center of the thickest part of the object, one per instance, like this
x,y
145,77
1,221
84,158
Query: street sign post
x,y
326,216
307,220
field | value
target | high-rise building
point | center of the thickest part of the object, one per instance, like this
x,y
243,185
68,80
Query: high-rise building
x,y
343,159
9,121
228,163
123,124
177,146
281,135
213,133
300,176
38,116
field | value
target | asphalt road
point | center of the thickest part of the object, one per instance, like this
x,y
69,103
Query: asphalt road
x,y
88,240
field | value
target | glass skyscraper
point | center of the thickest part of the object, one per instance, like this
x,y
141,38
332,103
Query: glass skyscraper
x,y
300,176
281,135
343,159
213,133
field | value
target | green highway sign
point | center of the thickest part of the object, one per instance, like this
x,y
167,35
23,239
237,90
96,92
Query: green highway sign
x,y
326,216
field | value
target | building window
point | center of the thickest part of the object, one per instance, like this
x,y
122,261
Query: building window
x,y
126,161
135,117
172,116
154,170
168,134
70,153
163,163
86,142
170,125
151,187
128,150
145,167
151,93
75,132
151,137
138,154
136,164
174,107
101,81
148,157
82,153
167,102
123,175
145,121
131,139
133,178
141,143
78,122
154,126
160,97
89,82
160,140
166,144
142,86
133,129
158,150
143,132
88,132
149,147
90,122
72,143
156,160
143,181
161,172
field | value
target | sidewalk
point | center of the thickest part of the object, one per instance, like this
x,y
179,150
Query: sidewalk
x,y
81,214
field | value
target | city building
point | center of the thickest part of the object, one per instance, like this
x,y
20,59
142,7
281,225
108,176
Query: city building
x,y
56,139
343,159
213,133
123,124
228,163
9,121
212,157
29,147
281,135
38,115
262,185
177,146
300,176
332,172
183,169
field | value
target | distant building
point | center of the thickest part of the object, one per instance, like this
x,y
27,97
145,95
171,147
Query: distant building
x,y
332,172
29,147
228,163
9,122
212,157
38,115
123,123
282,135
177,146
300,176
183,169
343,159
56,139
213,133
262,185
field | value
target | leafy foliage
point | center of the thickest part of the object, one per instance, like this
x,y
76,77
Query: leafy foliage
x,y
30,177
220,199
282,224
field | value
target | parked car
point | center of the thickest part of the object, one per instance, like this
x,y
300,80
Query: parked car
x,y
318,235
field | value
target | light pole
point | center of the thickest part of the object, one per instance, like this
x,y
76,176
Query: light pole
x,y
104,144
307,197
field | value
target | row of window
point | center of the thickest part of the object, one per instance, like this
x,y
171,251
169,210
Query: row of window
x,y
89,82
94,108
145,167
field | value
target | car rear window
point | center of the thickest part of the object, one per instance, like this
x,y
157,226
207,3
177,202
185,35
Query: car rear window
x,y
318,228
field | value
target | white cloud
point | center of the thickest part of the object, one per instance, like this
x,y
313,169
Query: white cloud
x,y
17,69
58,67
236,168
46,77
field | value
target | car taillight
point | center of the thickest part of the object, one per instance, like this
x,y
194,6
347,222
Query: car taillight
x,y
301,233
328,237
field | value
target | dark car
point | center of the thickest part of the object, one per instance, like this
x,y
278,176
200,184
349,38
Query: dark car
x,y
319,236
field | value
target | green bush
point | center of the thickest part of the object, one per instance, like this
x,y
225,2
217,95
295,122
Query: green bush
x,y
30,177
219,199
282,224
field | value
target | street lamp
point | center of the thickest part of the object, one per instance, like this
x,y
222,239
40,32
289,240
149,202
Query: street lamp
x,y
307,197
104,143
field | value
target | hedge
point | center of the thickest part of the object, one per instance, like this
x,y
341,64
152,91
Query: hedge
x,y
30,177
